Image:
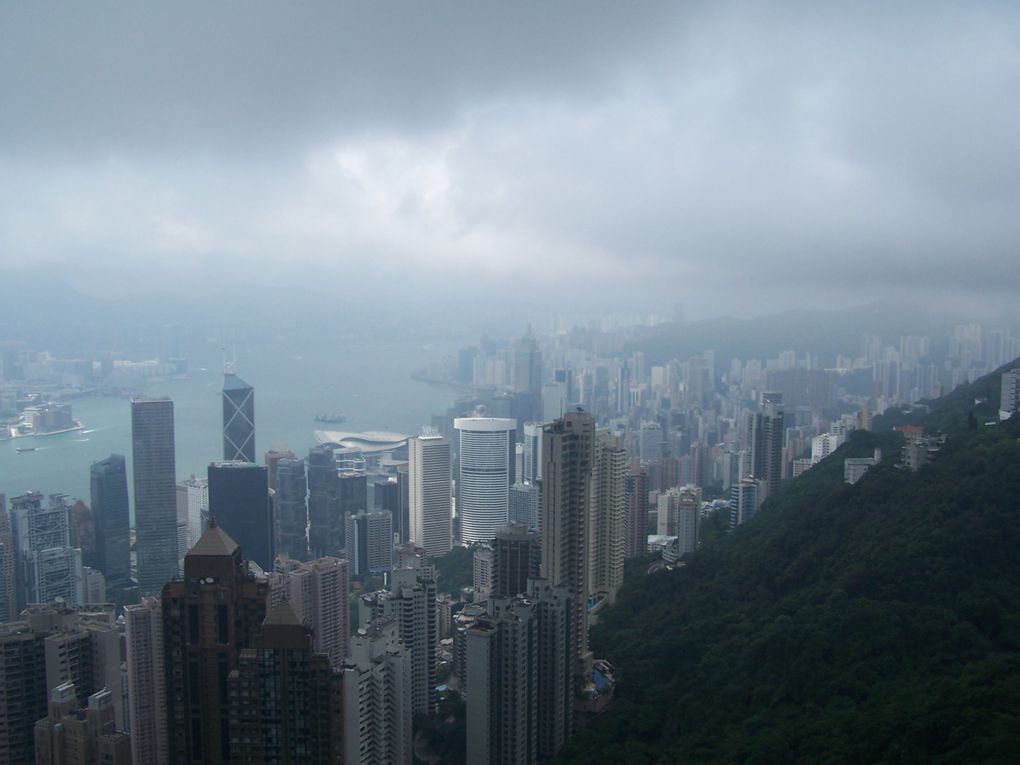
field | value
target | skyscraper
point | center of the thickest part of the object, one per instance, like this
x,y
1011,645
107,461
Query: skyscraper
x,y
527,380
75,735
527,364
209,617
48,567
525,504
273,458
532,452
430,493
291,508
557,660
745,498
143,637
516,555
635,485
370,542
517,674
1009,393
377,697
501,654
111,509
155,482
192,510
238,418
607,525
317,591
239,501
766,441
8,567
568,452
486,459
284,697
411,600
325,523
679,516
23,690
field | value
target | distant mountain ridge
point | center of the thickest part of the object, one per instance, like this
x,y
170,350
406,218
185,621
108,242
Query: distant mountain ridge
x,y
878,622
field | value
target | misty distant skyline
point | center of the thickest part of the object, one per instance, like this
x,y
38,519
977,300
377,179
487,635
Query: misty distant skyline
x,y
737,158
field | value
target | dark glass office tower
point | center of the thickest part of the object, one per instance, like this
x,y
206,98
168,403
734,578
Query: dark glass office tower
x,y
152,444
113,523
325,528
239,501
292,508
238,419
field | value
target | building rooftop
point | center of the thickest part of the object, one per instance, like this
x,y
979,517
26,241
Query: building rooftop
x,y
232,382
283,614
214,542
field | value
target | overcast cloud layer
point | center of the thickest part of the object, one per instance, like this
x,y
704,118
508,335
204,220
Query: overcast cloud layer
x,y
737,157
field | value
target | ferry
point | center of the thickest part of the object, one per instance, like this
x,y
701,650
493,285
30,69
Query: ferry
x,y
331,418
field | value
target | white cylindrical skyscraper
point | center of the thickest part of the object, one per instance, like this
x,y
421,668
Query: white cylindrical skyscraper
x,y
486,458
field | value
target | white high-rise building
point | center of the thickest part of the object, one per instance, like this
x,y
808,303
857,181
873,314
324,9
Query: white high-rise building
x,y
678,516
412,601
377,697
192,508
143,625
824,445
745,498
430,496
486,458
481,571
533,451
1009,399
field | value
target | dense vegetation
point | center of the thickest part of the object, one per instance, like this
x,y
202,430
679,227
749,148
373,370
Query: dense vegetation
x,y
442,737
454,570
871,623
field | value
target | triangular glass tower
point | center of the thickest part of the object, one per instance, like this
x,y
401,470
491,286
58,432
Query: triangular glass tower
x,y
238,418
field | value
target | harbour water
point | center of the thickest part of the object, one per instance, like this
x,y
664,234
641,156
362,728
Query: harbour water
x,y
369,382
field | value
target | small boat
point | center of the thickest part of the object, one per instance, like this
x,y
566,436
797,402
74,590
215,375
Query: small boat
x,y
331,418
25,449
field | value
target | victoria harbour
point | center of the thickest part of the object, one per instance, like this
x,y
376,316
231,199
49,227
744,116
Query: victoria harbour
x,y
369,382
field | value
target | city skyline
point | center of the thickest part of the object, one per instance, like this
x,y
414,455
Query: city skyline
x,y
636,382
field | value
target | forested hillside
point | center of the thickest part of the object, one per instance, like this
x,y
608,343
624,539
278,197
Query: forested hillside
x,y
871,623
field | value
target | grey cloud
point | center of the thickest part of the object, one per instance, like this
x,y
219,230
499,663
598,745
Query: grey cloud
x,y
195,75
730,153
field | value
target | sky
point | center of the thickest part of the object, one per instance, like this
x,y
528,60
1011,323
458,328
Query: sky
x,y
739,158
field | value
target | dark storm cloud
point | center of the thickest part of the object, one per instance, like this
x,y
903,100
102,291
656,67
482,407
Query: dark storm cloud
x,y
730,155
193,74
